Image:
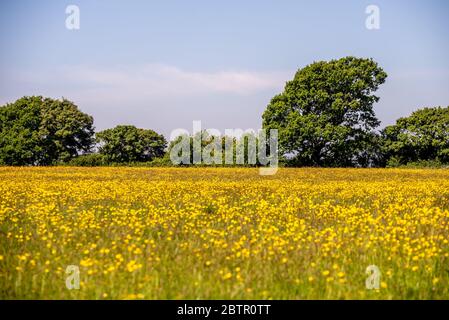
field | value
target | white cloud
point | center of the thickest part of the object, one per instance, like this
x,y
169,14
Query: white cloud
x,y
156,96
155,81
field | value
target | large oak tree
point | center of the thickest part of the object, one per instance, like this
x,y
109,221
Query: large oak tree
x,y
42,131
325,115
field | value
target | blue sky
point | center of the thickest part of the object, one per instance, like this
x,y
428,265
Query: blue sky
x,y
163,64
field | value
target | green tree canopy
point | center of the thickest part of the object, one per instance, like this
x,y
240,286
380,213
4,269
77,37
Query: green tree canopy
x,y
126,143
422,136
42,131
325,115
231,150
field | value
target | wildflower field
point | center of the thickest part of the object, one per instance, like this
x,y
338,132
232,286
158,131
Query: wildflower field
x,y
223,233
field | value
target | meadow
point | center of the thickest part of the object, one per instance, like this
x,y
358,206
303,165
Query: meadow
x,y
223,233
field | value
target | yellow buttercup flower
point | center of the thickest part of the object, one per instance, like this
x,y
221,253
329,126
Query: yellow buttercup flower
x,y
211,233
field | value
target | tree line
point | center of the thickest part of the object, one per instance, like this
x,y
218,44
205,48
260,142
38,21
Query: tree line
x,y
324,117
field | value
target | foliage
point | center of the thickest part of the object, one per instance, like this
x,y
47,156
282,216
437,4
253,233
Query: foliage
x,y
43,131
422,136
222,150
88,160
325,115
395,163
126,143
